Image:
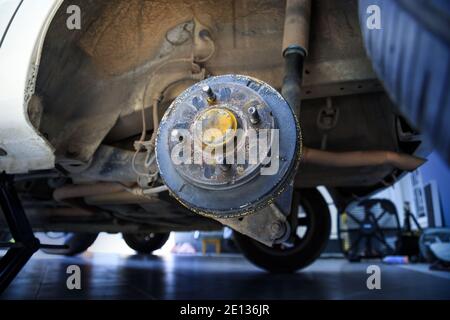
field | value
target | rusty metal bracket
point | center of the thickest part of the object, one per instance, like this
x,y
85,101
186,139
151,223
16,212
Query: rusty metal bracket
x,y
268,226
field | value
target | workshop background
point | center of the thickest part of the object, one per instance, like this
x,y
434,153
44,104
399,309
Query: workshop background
x,y
208,265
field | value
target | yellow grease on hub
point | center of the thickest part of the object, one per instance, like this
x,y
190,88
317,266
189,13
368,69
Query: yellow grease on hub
x,y
218,126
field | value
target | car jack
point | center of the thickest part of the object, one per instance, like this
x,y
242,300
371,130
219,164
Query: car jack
x,y
25,243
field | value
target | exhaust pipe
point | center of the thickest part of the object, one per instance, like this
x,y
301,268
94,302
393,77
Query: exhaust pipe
x,y
401,161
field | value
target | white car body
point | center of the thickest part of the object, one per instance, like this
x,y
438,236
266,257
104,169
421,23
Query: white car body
x,y
23,26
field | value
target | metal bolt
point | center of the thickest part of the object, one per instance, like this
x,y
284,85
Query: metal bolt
x,y
209,93
224,166
277,229
253,115
176,135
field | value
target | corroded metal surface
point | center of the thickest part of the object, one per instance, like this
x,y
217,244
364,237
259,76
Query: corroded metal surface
x,y
91,81
229,195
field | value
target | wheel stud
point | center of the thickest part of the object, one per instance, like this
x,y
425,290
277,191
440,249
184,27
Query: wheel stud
x,y
211,96
253,115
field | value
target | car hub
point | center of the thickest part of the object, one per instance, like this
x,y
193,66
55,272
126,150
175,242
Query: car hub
x,y
228,145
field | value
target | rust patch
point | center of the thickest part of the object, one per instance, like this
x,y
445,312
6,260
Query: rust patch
x,y
129,33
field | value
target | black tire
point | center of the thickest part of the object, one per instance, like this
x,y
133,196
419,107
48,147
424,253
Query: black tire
x,y
305,250
411,55
76,242
145,243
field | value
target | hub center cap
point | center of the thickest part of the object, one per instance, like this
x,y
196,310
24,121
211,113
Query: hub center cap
x,y
215,126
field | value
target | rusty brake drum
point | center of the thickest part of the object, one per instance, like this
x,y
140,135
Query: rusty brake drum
x,y
228,146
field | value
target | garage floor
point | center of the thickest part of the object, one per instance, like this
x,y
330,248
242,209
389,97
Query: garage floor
x,y
111,276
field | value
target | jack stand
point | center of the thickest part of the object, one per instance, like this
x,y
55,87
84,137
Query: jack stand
x,y
25,243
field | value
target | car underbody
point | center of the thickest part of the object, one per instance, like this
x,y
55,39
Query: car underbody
x,y
95,84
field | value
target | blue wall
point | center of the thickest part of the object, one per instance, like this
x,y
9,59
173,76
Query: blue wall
x,y
436,169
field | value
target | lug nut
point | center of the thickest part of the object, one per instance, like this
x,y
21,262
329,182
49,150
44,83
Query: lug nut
x,y
209,93
253,115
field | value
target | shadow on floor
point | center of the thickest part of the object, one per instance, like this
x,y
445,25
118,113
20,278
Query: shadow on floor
x,y
110,276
